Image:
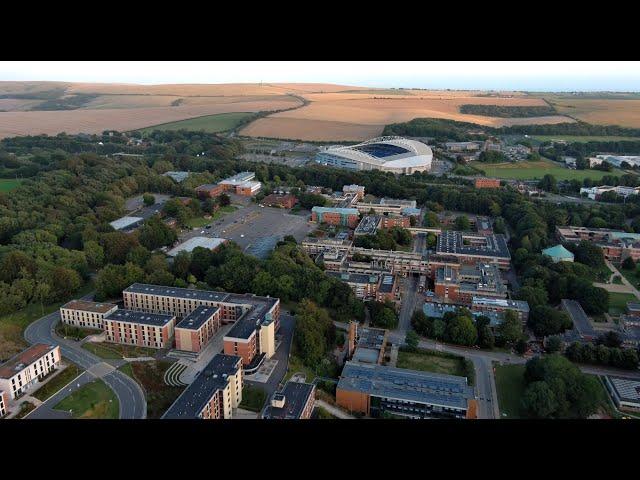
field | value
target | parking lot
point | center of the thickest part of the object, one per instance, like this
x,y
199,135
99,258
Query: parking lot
x,y
256,229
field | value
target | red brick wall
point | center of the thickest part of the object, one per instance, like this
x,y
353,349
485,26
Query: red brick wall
x,y
487,183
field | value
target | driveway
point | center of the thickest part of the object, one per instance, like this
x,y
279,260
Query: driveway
x,y
133,404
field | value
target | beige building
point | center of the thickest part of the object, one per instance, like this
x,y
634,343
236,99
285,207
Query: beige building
x,y
84,314
152,330
27,368
214,394
4,402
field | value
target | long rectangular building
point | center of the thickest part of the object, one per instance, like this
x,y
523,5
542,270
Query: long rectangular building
x,y
375,390
257,318
214,393
294,402
85,314
197,329
471,248
27,368
130,327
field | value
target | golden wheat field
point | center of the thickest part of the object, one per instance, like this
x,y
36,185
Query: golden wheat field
x,y
623,112
357,116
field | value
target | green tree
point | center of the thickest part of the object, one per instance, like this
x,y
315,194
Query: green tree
x,y
462,223
412,340
539,401
461,330
511,328
148,199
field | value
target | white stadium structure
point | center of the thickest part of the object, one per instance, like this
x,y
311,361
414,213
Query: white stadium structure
x,y
389,154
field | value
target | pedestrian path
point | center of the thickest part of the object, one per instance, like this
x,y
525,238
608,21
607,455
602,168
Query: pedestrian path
x,y
172,375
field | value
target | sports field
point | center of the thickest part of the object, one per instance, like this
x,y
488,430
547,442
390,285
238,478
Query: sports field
x,y
536,170
209,123
586,138
7,184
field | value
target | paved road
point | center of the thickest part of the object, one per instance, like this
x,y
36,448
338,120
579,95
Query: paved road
x,y
626,282
409,297
133,404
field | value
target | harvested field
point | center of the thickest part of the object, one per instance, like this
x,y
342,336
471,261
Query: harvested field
x,y
625,113
96,121
349,116
142,101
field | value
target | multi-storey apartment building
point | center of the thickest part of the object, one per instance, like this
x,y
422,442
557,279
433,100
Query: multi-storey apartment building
x,y
387,289
487,182
214,394
463,283
470,248
4,403
27,368
256,318
616,245
501,305
364,286
348,217
294,402
130,327
197,329
81,313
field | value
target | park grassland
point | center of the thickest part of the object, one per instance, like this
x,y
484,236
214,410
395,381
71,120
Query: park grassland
x,y
221,122
8,184
510,385
94,400
57,382
536,170
618,302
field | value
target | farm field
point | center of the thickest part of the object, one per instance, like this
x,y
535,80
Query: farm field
x,y
575,138
358,116
600,111
8,184
209,123
536,170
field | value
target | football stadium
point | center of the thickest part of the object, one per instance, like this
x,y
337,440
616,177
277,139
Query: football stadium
x,y
389,154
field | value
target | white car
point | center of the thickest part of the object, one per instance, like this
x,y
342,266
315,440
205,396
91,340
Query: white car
x,y
241,236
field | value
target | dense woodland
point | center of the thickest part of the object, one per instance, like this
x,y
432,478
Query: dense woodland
x,y
507,111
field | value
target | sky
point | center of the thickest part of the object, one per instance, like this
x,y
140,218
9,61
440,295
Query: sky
x,y
485,75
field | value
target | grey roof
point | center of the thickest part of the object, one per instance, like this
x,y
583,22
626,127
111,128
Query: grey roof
x,y
580,320
125,222
409,385
296,395
366,355
239,178
360,278
386,284
371,337
210,243
255,316
368,225
214,377
177,176
197,318
626,389
520,305
452,242
437,310
131,316
176,292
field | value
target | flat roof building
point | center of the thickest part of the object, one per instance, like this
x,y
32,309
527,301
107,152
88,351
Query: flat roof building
x,y
197,329
177,177
152,330
209,190
624,391
368,343
376,390
364,286
368,225
335,216
472,247
294,402
214,394
26,369
499,305
126,223
204,242
85,314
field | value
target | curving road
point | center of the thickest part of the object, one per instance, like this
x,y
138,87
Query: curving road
x,y
133,404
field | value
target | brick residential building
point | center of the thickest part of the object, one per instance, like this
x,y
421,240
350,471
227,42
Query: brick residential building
x,y
387,289
214,394
470,248
129,327
463,283
282,201
348,217
487,182
197,329
294,402
27,368
390,221
210,190
501,305
364,286
248,189
84,314
256,318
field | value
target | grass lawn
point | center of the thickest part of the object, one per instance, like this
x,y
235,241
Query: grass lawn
x,y
199,222
25,409
93,400
296,366
618,302
127,369
208,123
7,184
436,362
57,382
536,170
253,398
76,333
12,325
586,138
117,351
510,386
150,376
631,276
320,413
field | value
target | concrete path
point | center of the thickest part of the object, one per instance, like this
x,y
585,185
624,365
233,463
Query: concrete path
x,y
626,282
335,411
